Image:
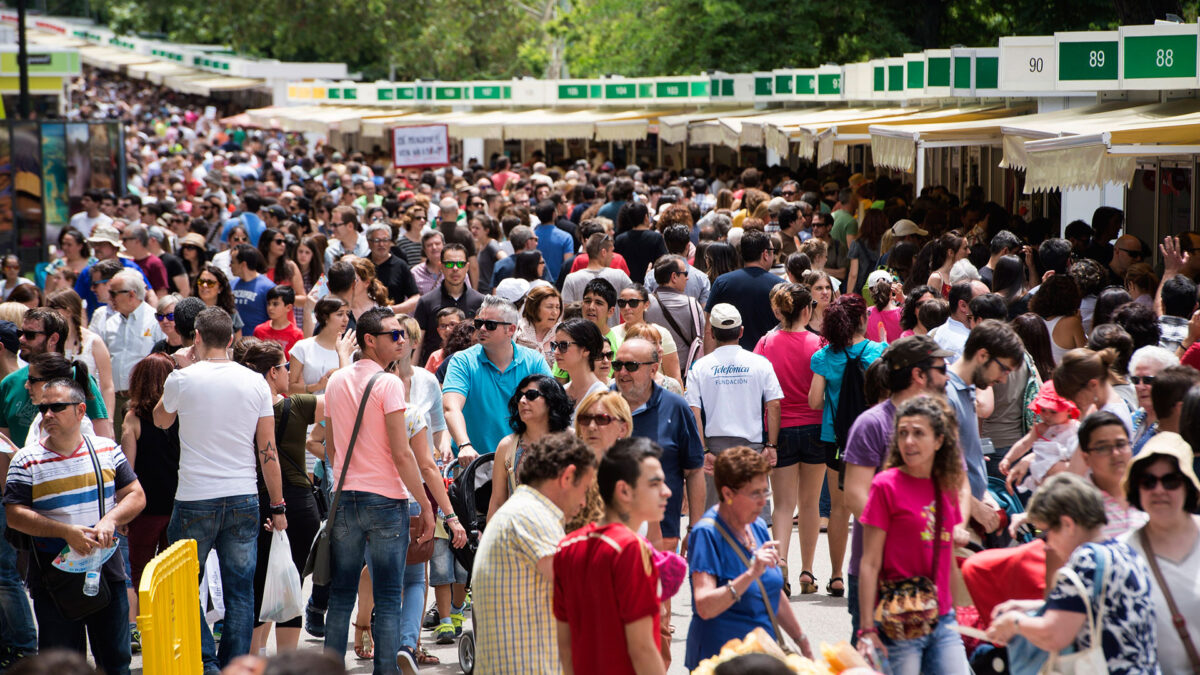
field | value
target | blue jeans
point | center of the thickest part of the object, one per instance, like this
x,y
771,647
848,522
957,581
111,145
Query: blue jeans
x,y
376,526
230,525
939,652
16,620
412,605
107,630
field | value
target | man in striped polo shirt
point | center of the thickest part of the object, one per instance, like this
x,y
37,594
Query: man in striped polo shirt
x,y
52,493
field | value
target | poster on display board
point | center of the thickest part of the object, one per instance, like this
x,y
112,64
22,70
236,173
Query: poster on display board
x,y
421,145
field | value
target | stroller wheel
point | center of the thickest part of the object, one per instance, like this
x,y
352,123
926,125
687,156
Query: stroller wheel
x,y
466,651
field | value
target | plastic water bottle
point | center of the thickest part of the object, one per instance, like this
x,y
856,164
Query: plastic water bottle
x,y
91,582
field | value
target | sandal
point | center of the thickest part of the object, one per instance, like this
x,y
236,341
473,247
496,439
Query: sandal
x,y
424,658
364,644
787,585
836,592
810,586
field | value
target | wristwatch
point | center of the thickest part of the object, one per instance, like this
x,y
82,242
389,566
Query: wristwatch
x,y
278,509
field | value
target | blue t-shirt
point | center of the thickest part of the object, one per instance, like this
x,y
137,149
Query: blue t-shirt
x,y
748,289
83,285
961,397
554,245
831,365
667,420
253,224
487,390
709,552
250,297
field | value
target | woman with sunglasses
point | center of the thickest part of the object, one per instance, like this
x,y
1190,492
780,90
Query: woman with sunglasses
x,y
602,418
410,244
293,415
237,235
165,315
632,303
539,407
603,368
82,343
212,286
576,345
281,269
539,318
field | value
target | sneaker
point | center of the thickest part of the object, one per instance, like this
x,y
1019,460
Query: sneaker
x,y
445,633
405,661
456,619
432,619
314,620
467,603
135,640
9,657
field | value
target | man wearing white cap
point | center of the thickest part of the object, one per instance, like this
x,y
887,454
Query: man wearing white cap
x,y
732,387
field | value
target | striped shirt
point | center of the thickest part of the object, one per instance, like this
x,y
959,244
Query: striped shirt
x,y
514,618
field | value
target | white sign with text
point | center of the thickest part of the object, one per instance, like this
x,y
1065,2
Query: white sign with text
x,y
425,145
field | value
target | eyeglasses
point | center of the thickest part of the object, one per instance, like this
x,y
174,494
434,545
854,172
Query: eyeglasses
x,y
57,406
631,366
607,356
1171,481
98,284
788,193
32,334
123,290
396,334
530,395
941,369
1141,379
379,240
1003,368
756,495
454,264
490,324
561,346
629,303
1122,444
286,365
169,316
601,420
207,283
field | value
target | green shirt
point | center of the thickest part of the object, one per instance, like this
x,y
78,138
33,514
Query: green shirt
x,y
17,410
844,223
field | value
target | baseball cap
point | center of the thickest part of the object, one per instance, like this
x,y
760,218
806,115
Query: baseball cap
x,y
725,315
277,211
905,227
512,289
776,203
877,276
909,351
10,336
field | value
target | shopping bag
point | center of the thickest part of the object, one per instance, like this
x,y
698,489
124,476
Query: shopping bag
x,y
282,598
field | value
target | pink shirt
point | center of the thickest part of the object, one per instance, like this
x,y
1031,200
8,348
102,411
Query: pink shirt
x,y
903,507
888,320
791,355
371,467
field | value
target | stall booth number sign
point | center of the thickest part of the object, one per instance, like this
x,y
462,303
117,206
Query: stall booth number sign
x,y
1087,60
1160,56
425,145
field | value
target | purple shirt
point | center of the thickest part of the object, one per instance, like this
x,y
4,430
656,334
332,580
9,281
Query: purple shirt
x,y
868,445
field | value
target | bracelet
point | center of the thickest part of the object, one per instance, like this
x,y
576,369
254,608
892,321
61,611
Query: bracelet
x,y
278,503
733,592
450,516
863,632
463,446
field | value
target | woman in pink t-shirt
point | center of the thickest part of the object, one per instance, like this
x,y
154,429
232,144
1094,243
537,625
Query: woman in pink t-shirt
x,y
908,523
801,456
883,319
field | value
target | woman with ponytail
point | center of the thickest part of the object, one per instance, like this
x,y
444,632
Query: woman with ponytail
x,y
800,467
883,319
51,366
369,291
844,330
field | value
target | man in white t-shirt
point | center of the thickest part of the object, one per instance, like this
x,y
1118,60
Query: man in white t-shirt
x,y
225,419
733,387
90,216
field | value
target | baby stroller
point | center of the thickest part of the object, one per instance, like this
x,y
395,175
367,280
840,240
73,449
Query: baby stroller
x,y
470,493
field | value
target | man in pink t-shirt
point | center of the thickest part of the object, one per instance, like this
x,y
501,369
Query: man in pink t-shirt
x,y
372,512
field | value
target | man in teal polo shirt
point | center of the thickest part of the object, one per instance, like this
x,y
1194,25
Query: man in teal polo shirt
x,y
480,380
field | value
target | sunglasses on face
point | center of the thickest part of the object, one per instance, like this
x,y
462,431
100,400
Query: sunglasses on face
x,y
208,283
601,420
631,366
454,264
169,316
561,346
376,241
490,324
34,380
286,365
31,334
57,406
530,394
396,334
941,369
98,284
607,356
1171,481
1141,379
629,303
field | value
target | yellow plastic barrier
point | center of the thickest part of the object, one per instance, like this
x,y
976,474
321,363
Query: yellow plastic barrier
x,y
169,612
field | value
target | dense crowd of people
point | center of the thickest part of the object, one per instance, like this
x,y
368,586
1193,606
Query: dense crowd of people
x,y
662,371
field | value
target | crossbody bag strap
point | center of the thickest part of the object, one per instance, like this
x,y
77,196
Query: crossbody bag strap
x,y
99,474
362,408
670,319
1177,618
762,589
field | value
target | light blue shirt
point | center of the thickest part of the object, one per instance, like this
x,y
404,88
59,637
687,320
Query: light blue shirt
x,y
962,398
487,390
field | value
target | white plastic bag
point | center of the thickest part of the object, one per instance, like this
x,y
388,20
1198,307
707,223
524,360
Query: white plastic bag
x,y
282,598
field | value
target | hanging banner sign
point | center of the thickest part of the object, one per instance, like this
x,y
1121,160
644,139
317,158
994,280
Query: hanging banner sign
x,y
425,145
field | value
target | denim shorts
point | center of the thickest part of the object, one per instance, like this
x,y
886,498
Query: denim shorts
x,y
443,568
800,444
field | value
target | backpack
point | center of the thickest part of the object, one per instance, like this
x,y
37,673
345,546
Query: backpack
x,y
852,398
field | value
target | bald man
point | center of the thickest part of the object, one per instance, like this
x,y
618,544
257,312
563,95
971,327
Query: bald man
x,y
1129,250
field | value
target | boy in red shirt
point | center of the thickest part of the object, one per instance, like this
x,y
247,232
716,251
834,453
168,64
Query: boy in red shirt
x,y
278,327
605,582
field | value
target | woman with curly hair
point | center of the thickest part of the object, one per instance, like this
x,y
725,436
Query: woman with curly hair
x,y
908,311
844,330
212,286
911,511
1057,302
539,407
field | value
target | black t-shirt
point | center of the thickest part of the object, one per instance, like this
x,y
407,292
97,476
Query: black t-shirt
x,y
157,465
396,276
458,234
435,300
174,268
640,248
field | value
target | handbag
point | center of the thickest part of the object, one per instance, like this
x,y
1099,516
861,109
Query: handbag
x,y
320,557
908,608
1090,660
419,552
737,548
1177,618
66,588
280,429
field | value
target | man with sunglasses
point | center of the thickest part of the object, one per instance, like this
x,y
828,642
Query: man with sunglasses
x,y
452,292
130,331
1129,250
106,244
481,379
666,419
